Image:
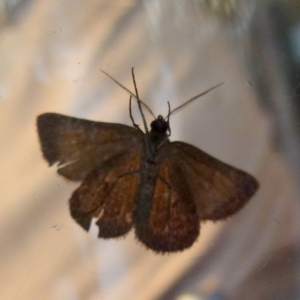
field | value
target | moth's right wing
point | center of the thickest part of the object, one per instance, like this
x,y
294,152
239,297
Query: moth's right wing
x,y
171,223
79,146
218,190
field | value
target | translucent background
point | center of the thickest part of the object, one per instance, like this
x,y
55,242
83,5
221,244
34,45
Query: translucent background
x,y
51,53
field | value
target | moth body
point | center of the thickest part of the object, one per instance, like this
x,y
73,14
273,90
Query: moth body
x,y
149,170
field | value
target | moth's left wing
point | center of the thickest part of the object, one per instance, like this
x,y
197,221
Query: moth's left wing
x,y
79,145
109,197
218,190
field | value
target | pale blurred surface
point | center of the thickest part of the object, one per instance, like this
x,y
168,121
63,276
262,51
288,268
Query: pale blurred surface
x,y
50,57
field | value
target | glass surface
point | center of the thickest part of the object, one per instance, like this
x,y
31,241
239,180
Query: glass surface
x,y
51,57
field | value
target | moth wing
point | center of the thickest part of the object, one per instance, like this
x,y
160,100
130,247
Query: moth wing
x,y
108,196
172,224
218,190
80,145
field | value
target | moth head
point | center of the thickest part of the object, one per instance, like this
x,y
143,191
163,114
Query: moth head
x,y
159,125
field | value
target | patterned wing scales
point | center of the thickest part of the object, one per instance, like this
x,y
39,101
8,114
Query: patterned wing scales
x,y
173,223
218,189
108,195
80,145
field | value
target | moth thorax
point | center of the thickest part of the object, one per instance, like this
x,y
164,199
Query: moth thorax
x,y
159,125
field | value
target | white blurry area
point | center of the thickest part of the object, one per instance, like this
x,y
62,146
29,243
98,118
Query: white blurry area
x,y
50,60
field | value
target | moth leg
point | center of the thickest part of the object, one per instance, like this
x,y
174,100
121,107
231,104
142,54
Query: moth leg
x,y
168,118
131,116
139,101
169,196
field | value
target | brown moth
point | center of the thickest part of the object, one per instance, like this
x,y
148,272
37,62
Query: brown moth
x,y
132,178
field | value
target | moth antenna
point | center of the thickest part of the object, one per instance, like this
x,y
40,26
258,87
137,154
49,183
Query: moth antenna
x,y
129,92
139,101
192,99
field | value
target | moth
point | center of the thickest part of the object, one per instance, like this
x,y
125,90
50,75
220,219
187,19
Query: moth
x,y
141,180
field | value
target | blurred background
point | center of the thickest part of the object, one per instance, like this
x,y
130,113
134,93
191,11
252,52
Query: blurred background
x,y
51,53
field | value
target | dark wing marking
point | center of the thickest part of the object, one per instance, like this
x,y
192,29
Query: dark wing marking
x,y
218,189
173,223
80,145
109,197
